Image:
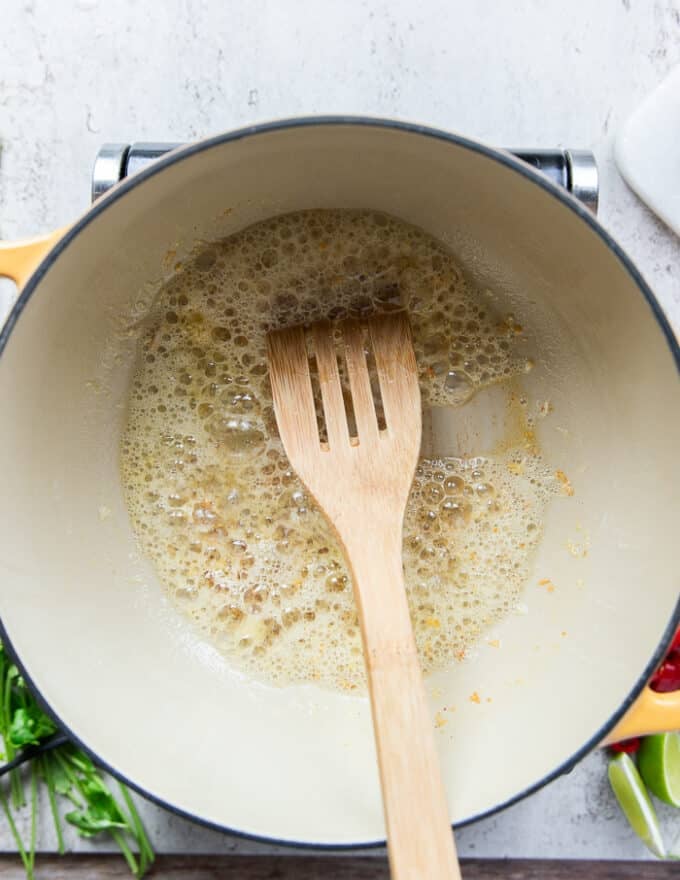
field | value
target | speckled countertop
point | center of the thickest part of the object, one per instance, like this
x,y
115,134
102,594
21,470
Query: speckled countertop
x,y
76,73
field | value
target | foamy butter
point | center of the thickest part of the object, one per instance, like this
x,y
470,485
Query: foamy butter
x,y
234,537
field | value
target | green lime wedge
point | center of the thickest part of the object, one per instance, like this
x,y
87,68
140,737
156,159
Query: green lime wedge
x,y
659,763
632,796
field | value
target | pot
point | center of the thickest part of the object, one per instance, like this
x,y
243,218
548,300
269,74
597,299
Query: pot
x,y
86,617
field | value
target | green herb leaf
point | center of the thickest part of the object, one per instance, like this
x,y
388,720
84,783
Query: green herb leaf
x,y
92,820
62,784
28,726
101,812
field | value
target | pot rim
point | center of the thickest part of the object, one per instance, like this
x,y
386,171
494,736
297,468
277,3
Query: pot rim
x,y
493,154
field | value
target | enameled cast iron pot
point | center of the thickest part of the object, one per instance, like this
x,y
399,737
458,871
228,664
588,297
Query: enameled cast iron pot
x,y
86,616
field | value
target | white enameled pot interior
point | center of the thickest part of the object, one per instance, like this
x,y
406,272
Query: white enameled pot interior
x,y
127,675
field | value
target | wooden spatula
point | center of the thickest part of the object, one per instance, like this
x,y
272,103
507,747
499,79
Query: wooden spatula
x,y
362,484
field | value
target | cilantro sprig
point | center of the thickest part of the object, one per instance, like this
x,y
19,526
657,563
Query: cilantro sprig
x,y
30,737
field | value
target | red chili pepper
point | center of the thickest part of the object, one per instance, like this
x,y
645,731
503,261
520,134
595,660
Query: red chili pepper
x,y
667,677
675,645
629,746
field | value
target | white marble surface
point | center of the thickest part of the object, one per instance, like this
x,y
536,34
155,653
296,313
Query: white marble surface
x,y
76,73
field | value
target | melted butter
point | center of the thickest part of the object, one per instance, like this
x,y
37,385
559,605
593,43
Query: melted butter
x,y
235,539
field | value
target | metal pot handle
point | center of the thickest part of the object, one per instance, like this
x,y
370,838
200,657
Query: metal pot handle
x,y
19,259
574,170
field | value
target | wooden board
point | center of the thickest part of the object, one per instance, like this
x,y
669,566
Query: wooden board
x,y
86,867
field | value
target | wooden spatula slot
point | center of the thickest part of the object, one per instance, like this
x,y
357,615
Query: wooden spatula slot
x,y
375,384
316,391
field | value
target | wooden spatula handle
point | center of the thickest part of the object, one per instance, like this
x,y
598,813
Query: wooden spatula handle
x,y
420,840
